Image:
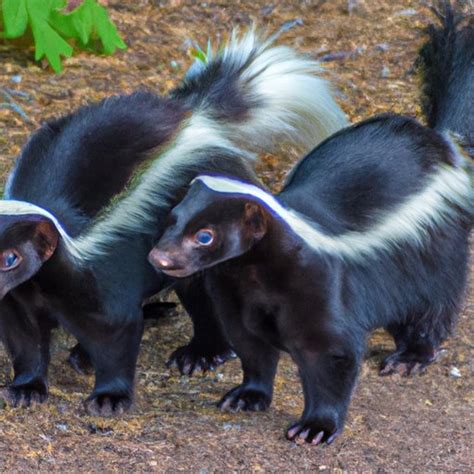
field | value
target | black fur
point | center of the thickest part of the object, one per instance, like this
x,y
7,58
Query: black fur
x,y
61,169
274,292
72,167
220,83
88,156
448,75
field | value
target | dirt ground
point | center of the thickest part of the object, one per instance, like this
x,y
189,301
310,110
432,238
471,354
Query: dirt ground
x,y
395,424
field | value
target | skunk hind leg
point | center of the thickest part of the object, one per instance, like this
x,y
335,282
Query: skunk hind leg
x,y
418,343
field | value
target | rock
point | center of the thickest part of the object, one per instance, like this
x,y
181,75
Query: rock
x,y
231,426
455,373
382,47
407,12
352,5
265,11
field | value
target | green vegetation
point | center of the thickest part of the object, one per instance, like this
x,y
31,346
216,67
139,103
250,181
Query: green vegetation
x,y
57,26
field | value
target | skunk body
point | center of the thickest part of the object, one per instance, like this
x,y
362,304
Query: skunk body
x,y
68,171
371,230
80,257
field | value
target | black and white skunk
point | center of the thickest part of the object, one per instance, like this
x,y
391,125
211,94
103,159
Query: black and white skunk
x,y
89,195
371,230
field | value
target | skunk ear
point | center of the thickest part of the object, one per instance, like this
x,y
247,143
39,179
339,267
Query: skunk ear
x,y
45,239
26,242
255,220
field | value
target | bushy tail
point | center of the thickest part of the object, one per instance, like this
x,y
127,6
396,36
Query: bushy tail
x,y
247,97
447,65
259,95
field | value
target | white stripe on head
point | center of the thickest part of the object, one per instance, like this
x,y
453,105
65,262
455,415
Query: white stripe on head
x,y
287,100
436,204
22,208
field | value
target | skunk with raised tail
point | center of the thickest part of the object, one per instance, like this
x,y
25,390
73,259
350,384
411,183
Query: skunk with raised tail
x,y
89,195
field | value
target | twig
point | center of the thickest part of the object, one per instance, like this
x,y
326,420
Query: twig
x,y
13,105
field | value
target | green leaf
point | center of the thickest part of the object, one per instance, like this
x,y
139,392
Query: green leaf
x,y
15,17
198,54
105,29
48,43
83,22
76,24
52,25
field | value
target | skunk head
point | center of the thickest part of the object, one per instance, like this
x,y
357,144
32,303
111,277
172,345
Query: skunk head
x,y
207,228
26,242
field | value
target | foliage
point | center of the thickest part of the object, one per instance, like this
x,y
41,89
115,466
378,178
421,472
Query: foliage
x,y
53,25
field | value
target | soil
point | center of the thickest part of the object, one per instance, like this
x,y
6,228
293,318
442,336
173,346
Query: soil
x,y
396,424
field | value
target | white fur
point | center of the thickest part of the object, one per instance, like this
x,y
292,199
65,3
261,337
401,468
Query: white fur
x,y
447,189
292,104
134,214
296,105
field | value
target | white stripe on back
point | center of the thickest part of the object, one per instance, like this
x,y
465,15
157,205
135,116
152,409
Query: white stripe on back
x,y
447,189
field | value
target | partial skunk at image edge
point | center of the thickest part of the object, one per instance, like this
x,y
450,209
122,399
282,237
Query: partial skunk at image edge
x,y
89,195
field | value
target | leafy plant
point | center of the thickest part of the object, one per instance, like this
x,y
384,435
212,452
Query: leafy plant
x,y
53,23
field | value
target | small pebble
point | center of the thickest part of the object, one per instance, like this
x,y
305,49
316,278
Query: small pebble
x,y
62,426
174,64
385,72
407,12
352,5
16,79
267,10
382,47
230,426
219,377
455,372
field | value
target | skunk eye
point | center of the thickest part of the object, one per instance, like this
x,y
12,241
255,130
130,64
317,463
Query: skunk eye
x,y
10,260
204,237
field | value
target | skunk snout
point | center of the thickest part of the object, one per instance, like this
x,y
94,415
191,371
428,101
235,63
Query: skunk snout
x,y
171,262
163,260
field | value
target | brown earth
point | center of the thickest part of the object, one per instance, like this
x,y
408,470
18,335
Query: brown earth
x,y
395,424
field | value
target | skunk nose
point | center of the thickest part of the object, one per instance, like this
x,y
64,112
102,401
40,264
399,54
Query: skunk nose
x,y
161,259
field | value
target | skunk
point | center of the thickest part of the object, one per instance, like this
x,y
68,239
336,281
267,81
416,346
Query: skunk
x,y
371,230
89,194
